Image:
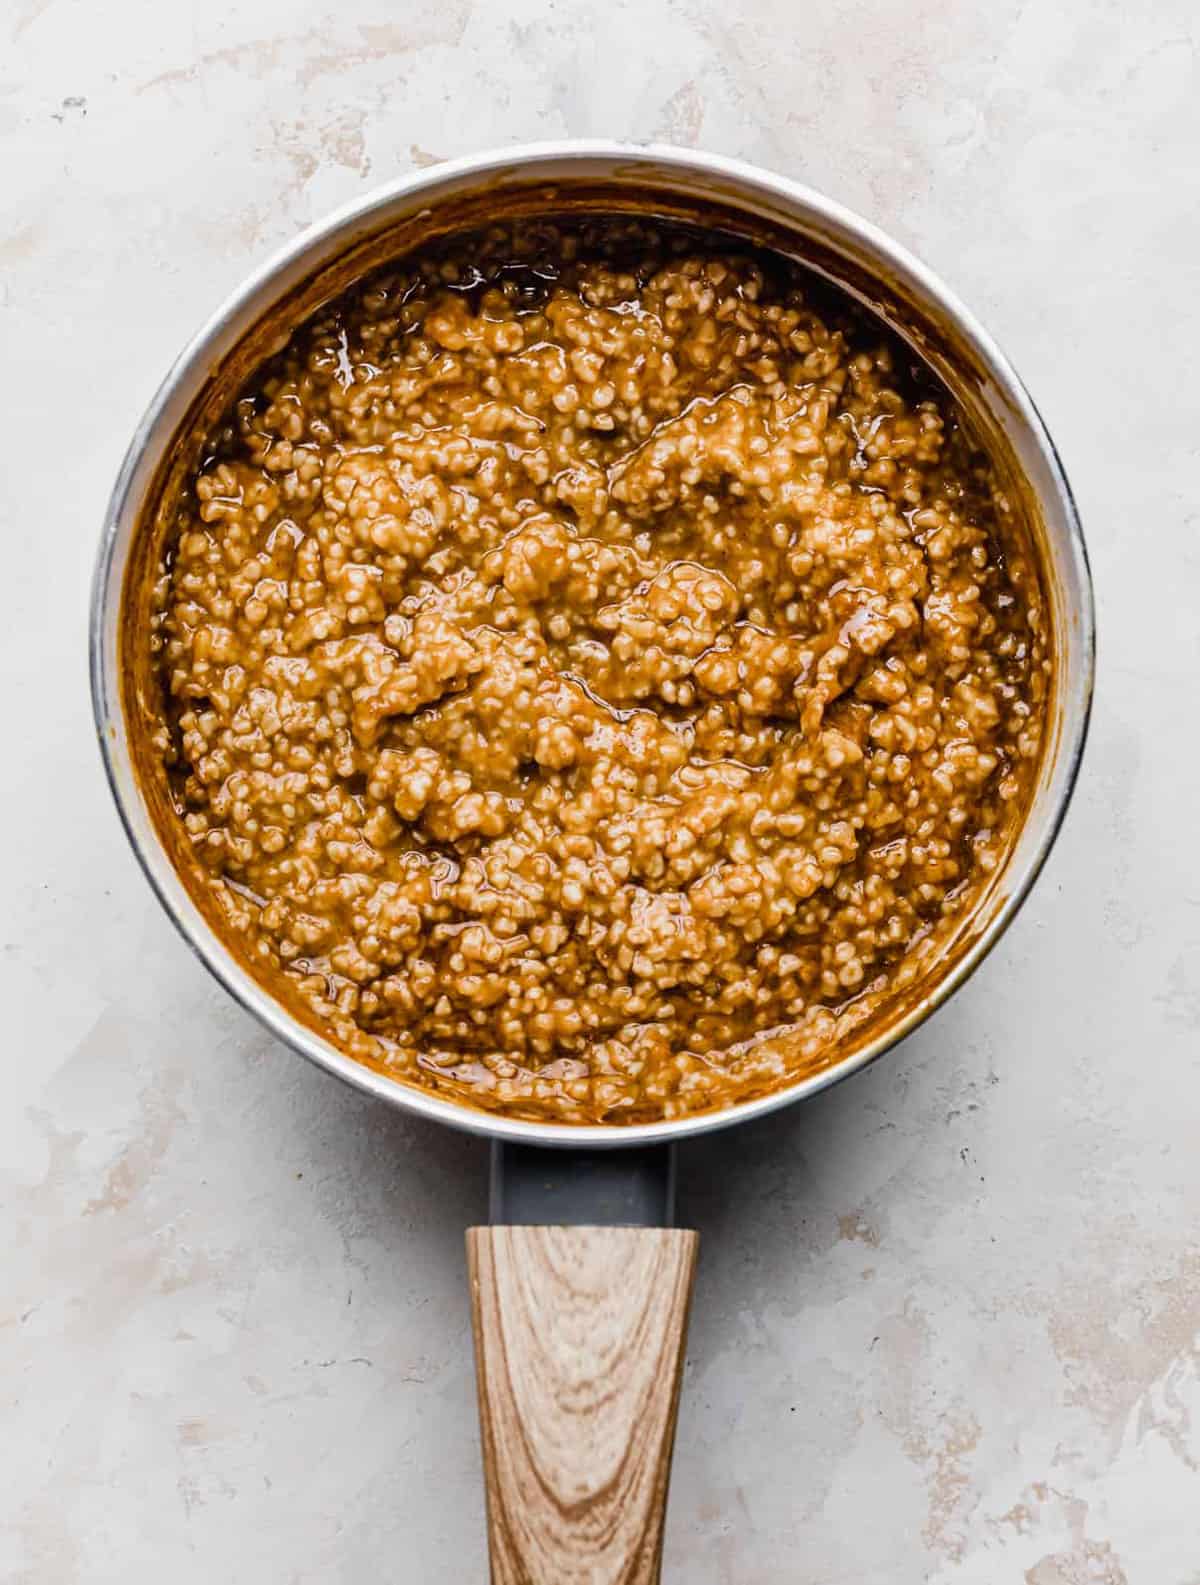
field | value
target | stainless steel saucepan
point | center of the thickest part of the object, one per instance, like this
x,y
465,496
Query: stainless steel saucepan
x,y
580,1286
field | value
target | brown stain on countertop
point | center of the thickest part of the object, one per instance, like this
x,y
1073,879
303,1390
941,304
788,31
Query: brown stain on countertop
x,y
131,1171
682,117
1087,1561
856,1229
1093,1563
947,1459
941,1440
1115,1343
20,245
364,45
33,12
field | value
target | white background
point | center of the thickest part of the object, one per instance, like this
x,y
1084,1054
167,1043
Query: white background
x,y
946,1324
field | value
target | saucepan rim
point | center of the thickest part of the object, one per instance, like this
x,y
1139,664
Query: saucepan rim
x,y
533,161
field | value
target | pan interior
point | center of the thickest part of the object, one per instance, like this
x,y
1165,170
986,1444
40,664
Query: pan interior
x,y
206,386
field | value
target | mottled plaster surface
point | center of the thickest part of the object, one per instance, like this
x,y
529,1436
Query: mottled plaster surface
x,y
946,1324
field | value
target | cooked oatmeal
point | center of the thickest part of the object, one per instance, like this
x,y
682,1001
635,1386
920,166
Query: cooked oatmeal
x,y
598,674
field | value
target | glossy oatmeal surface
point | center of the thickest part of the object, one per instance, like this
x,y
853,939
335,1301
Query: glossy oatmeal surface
x,y
597,673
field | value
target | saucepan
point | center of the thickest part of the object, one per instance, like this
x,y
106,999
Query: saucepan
x,y
580,1287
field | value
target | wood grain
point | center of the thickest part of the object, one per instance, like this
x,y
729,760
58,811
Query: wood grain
x,y
579,1342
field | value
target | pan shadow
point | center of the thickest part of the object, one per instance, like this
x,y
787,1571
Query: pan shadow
x,y
765,1196
411,1187
771,1198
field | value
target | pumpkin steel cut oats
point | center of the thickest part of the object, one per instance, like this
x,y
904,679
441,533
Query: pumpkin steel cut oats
x,y
597,673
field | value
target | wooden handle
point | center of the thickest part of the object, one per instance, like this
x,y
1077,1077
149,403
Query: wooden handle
x,y
579,1341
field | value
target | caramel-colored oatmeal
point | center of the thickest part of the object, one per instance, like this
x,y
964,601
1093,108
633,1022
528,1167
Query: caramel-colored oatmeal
x,y
586,662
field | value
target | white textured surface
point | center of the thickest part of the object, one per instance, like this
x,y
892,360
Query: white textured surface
x,y
946,1324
